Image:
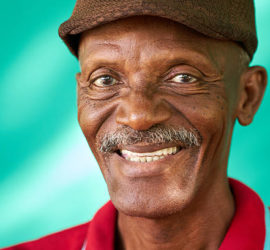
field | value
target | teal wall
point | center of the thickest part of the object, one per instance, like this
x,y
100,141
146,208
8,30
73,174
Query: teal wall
x,y
49,179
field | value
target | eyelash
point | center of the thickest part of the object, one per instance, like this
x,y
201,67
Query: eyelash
x,y
103,76
195,79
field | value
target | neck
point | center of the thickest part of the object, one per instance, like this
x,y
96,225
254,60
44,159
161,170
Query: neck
x,y
200,225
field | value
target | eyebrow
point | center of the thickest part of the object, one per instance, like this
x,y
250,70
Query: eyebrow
x,y
173,44
107,45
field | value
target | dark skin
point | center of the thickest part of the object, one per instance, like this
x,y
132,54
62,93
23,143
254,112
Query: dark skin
x,y
144,71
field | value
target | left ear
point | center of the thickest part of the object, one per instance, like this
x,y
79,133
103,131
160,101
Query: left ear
x,y
253,84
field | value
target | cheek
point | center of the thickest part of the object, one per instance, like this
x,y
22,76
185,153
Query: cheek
x,y
211,116
93,117
207,113
214,119
92,114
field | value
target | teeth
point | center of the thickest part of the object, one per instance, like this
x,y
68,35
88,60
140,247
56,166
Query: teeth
x,y
142,159
137,159
155,158
149,156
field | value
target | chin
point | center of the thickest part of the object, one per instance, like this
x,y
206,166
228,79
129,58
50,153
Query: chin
x,y
160,189
155,205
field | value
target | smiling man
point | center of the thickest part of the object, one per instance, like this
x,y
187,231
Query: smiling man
x,y
161,86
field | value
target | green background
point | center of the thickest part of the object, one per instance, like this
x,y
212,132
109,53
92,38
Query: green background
x,y
49,179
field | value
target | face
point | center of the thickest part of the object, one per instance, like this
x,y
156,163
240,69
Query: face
x,y
157,103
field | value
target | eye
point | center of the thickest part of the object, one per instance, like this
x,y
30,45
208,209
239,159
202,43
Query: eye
x,y
183,78
104,81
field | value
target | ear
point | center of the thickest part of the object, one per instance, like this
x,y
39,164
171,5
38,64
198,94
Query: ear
x,y
253,83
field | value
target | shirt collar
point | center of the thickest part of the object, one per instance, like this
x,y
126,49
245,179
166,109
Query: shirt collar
x,y
247,229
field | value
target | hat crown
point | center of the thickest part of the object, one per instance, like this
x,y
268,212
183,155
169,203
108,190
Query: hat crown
x,y
221,19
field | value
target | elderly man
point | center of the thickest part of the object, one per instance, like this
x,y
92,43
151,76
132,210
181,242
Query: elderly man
x,y
161,86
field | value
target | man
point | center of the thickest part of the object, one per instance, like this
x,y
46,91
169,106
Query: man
x,y
161,86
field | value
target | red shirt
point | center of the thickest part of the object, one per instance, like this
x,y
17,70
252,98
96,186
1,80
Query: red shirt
x,y
249,229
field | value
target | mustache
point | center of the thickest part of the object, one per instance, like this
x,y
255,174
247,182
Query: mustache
x,y
157,134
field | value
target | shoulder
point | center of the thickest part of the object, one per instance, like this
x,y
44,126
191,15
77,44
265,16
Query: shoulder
x,y
68,239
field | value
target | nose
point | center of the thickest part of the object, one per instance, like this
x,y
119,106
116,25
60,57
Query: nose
x,y
141,112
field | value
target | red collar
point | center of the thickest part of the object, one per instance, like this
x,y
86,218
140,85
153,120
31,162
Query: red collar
x,y
247,229
101,230
246,232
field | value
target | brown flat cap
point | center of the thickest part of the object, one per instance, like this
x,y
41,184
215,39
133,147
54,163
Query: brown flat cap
x,y
221,19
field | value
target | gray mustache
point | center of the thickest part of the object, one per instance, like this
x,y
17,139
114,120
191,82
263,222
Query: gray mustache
x,y
156,134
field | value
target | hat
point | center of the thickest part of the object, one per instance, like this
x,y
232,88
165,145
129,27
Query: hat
x,y
221,19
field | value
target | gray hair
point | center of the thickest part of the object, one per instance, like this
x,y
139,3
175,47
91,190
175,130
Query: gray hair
x,y
156,135
244,59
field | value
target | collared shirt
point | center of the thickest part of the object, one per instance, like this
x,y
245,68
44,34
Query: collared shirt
x,y
249,228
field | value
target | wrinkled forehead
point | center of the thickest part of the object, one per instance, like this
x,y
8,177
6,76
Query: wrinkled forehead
x,y
154,34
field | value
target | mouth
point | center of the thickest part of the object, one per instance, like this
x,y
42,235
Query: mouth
x,y
148,156
143,160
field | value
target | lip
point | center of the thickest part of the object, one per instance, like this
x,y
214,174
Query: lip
x,y
145,169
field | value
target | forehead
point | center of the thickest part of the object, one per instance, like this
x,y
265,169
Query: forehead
x,y
148,37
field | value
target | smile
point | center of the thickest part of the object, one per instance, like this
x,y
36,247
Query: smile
x,y
148,156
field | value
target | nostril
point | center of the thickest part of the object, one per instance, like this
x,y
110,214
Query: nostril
x,y
137,121
142,114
